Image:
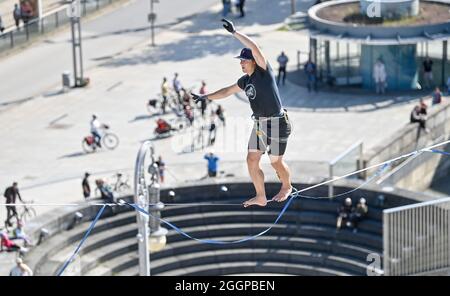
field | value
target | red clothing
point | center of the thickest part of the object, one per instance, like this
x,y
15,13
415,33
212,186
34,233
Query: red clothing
x,y
162,125
6,242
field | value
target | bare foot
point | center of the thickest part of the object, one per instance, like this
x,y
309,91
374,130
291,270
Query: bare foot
x,y
258,200
283,194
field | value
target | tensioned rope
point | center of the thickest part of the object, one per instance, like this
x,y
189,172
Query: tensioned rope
x,y
82,241
383,166
292,196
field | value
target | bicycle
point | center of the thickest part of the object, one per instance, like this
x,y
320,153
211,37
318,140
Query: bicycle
x,y
28,212
119,185
108,140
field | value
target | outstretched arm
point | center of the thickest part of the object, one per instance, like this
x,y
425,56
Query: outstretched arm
x,y
220,94
260,59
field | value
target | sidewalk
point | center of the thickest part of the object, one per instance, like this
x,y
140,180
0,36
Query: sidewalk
x,y
48,161
7,7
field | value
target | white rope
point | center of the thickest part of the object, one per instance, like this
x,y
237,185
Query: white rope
x,y
426,149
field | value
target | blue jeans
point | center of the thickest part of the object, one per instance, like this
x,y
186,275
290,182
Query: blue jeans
x,y
97,138
226,9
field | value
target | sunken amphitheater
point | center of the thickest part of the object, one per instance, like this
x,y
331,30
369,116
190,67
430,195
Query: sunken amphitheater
x,y
304,242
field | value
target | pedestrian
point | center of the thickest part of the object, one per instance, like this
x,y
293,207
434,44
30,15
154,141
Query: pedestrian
x,y
271,123
428,72
204,103
437,97
282,61
21,269
177,87
240,5
85,186
161,168
164,94
212,131
2,28
11,193
310,71
448,86
26,11
379,76
220,112
17,14
212,163
226,7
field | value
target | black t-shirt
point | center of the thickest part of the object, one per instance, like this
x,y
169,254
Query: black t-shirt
x,y
262,92
427,65
86,187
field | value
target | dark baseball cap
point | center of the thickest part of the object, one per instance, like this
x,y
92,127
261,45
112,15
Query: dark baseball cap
x,y
246,54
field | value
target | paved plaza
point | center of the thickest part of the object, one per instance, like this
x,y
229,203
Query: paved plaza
x,y
47,159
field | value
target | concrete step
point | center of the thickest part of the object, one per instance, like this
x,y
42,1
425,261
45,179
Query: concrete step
x,y
108,242
321,206
231,268
131,271
289,217
259,254
273,242
302,230
114,266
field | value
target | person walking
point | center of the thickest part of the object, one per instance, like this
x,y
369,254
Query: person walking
x,y
161,168
310,71
379,76
11,193
17,14
428,72
282,61
85,186
204,103
164,94
240,5
177,88
2,28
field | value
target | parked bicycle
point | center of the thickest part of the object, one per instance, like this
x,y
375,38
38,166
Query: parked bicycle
x,y
119,185
27,212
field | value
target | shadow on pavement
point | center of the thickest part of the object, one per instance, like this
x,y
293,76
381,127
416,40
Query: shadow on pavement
x,y
259,12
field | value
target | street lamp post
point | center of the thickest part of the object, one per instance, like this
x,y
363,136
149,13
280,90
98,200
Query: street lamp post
x,y
75,21
152,19
151,236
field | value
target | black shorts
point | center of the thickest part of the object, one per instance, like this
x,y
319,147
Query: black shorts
x,y
270,134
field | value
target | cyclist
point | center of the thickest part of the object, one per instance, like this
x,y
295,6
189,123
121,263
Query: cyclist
x,y
96,130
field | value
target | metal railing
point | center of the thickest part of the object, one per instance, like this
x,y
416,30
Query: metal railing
x,y
348,161
50,21
416,238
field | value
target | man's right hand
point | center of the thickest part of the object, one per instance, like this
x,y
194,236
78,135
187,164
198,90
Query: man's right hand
x,y
198,98
228,25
